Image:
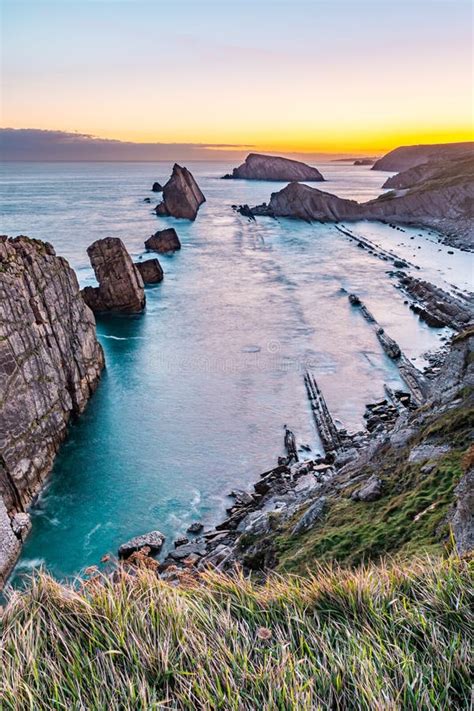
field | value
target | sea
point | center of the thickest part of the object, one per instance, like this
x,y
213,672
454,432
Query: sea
x,y
198,389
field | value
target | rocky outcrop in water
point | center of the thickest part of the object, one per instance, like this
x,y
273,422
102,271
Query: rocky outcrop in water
x,y
182,196
150,270
163,241
406,157
50,364
120,287
157,188
398,491
262,167
445,203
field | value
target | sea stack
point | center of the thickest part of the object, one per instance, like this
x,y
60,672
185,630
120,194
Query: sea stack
x,y
262,167
150,270
182,196
121,288
163,241
50,364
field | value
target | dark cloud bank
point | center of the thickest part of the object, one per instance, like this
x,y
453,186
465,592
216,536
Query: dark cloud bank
x,y
31,144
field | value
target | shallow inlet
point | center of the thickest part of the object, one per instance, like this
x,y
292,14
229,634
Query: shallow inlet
x,y
197,389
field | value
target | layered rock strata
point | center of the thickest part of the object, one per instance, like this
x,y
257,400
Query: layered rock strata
x,y
120,287
182,196
50,364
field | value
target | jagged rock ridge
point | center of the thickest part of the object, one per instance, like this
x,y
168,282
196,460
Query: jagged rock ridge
x,y
50,364
263,167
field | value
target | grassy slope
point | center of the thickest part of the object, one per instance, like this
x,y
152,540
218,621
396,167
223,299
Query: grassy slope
x,y
409,518
384,637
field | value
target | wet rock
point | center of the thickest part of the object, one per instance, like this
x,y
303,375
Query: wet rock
x,y
150,271
163,241
181,541
148,200
371,491
195,527
153,540
157,188
120,287
181,195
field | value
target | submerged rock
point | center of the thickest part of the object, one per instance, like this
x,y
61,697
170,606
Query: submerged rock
x,y
163,241
182,196
50,364
150,270
262,167
120,284
153,540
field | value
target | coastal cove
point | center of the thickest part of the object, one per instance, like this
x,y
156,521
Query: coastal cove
x,y
197,390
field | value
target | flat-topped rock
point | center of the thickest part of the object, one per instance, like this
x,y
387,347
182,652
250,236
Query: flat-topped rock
x,y
121,288
150,270
182,196
153,540
163,241
263,167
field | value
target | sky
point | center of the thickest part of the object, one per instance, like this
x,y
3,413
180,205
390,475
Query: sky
x,y
338,76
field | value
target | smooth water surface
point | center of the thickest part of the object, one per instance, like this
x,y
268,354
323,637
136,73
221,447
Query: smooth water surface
x,y
198,388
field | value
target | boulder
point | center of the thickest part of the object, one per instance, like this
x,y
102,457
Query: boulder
x,y
157,188
311,515
153,540
181,195
120,284
463,518
262,167
150,271
195,527
370,491
163,241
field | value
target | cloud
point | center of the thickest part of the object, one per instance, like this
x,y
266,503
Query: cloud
x,y
32,144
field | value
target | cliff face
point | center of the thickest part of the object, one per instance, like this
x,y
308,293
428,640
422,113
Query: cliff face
x,y
262,167
408,156
50,364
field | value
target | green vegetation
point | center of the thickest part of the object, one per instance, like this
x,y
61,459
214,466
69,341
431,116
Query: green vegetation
x,y
380,637
409,518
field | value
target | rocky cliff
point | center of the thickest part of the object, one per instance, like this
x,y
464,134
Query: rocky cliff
x,y
182,196
444,202
50,364
408,156
262,167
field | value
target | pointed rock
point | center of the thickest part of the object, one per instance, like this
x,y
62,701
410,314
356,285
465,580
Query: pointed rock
x,y
181,195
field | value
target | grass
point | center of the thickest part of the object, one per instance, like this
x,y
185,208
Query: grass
x,y
385,637
412,515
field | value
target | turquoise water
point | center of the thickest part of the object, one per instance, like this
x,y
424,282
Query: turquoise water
x,y
198,388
